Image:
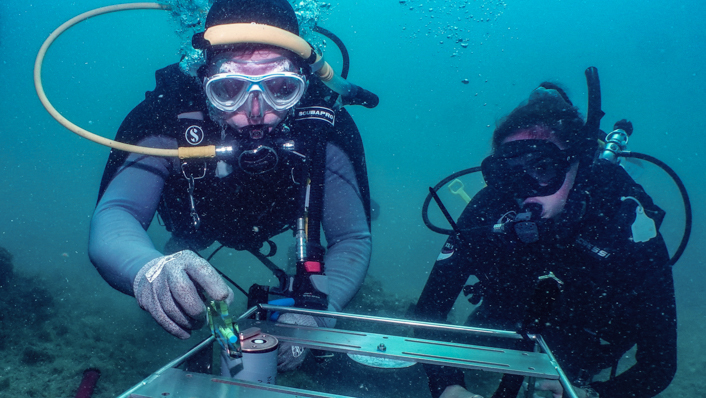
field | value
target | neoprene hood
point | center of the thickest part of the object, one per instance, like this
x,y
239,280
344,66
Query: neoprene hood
x,y
278,13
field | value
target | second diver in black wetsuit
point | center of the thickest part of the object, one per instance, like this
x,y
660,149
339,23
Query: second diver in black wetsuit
x,y
596,231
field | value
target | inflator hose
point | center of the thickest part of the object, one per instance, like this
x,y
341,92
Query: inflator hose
x,y
204,152
352,94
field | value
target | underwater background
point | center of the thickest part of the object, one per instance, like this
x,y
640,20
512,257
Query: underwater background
x,y
445,72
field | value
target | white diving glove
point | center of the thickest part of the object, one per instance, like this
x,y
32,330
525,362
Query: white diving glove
x,y
558,391
168,288
456,391
290,357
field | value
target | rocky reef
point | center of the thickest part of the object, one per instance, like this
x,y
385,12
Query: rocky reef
x,y
6,267
26,311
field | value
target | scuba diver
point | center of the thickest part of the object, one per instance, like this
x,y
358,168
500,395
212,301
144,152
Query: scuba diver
x,y
558,220
296,163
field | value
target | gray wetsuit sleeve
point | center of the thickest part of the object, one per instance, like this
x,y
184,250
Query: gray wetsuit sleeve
x,y
118,242
346,230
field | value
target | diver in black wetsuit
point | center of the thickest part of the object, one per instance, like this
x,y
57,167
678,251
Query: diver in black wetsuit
x,y
593,228
297,156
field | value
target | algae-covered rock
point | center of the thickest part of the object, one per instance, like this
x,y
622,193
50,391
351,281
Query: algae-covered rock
x,y
25,302
6,268
32,356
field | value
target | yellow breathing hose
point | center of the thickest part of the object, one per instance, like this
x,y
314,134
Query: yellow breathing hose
x,y
183,152
222,34
265,34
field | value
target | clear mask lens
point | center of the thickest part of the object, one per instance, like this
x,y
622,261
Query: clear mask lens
x,y
229,91
281,89
543,170
527,168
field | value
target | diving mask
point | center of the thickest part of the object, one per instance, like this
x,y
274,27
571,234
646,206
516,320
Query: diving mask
x,y
527,168
229,91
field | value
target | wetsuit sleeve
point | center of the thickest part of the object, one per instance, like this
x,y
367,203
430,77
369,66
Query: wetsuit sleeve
x,y
458,260
656,340
118,242
346,228
446,280
650,318
445,283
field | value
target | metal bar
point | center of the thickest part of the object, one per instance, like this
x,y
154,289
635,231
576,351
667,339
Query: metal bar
x,y
176,383
247,313
416,324
180,383
568,387
525,363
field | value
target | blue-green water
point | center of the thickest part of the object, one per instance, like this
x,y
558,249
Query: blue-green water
x,y
651,56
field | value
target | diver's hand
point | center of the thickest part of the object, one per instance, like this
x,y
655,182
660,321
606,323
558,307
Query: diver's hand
x,y
550,385
457,391
168,288
556,389
291,356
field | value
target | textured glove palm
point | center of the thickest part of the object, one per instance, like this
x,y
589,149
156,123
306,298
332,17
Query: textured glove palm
x,y
289,356
168,288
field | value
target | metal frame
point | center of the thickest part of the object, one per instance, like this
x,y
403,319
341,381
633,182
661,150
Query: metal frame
x,y
177,382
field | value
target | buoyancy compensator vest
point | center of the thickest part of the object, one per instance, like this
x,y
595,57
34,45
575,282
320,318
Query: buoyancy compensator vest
x,y
258,193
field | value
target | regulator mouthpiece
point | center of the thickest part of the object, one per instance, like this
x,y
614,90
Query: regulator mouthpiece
x,y
525,225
